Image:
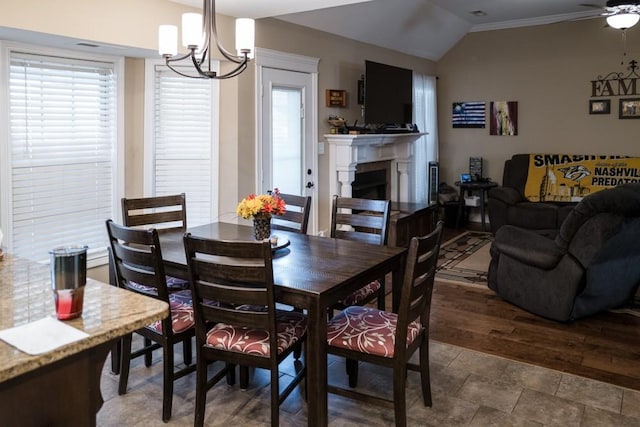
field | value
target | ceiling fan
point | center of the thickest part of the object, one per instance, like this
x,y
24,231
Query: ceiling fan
x,y
621,14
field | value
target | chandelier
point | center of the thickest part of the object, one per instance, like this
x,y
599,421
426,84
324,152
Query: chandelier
x,y
199,35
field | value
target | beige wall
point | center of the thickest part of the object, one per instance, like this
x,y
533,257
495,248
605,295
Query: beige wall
x,y
547,69
134,23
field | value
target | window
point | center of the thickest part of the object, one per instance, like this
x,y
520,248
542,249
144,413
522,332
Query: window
x,y
181,154
59,171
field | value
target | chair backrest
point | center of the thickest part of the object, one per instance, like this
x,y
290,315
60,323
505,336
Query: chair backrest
x,y
365,220
296,216
420,272
233,274
161,212
137,258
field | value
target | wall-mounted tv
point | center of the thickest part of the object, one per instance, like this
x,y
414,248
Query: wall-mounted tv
x,y
388,94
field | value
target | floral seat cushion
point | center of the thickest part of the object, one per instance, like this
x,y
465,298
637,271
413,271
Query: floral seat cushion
x,y
367,330
181,308
173,285
362,294
291,326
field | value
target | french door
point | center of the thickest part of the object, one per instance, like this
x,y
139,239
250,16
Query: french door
x,y
288,149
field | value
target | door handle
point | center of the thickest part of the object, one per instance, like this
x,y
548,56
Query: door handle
x,y
309,184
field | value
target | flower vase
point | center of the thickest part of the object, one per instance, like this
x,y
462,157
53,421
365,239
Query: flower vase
x,y
262,228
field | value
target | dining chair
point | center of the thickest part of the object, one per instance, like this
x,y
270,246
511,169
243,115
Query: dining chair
x,y
164,213
364,220
247,329
138,265
389,339
296,215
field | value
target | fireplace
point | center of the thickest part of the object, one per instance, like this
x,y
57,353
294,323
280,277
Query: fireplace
x,y
372,181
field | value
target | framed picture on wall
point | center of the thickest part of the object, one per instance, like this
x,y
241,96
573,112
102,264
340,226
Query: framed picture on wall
x,y
629,108
599,106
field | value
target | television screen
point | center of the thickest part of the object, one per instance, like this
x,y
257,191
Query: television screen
x,y
388,94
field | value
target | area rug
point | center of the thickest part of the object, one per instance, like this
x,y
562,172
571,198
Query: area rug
x,y
465,259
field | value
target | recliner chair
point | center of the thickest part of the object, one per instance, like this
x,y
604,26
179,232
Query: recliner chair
x,y
591,265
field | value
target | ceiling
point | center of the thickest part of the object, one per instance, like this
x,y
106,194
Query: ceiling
x,y
424,28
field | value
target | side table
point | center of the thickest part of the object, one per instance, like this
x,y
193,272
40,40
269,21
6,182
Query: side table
x,y
481,187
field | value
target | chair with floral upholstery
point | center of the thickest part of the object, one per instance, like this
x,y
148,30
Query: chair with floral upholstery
x,y
364,220
137,261
389,339
239,274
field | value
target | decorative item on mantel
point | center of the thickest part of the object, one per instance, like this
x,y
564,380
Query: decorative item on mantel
x,y
337,124
261,207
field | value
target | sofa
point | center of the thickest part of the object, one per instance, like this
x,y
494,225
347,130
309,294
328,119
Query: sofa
x,y
508,205
539,191
591,265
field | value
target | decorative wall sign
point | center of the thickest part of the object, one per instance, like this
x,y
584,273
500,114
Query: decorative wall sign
x,y
468,114
335,98
599,106
629,108
504,118
617,84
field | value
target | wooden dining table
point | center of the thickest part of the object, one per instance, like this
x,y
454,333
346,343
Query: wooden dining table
x,y
311,272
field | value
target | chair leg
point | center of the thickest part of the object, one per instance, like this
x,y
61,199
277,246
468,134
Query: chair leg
x,y
201,391
425,377
244,377
187,356
399,398
231,374
167,381
352,372
148,354
275,397
125,361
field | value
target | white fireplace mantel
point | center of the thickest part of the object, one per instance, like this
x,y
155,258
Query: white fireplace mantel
x,y
346,151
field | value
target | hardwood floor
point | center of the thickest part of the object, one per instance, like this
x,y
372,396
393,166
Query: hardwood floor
x,y
604,347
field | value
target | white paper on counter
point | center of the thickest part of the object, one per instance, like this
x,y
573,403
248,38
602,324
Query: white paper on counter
x,y
41,336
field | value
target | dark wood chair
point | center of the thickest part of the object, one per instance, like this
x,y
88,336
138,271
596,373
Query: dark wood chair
x,y
248,330
162,212
137,260
389,339
296,216
364,220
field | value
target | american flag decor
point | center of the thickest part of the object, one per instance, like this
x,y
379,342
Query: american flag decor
x,y
469,114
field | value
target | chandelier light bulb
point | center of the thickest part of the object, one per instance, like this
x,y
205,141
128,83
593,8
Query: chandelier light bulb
x,y
168,40
622,21
245,36
191,29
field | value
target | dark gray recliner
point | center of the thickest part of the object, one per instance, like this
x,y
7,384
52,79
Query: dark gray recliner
x,y
593,264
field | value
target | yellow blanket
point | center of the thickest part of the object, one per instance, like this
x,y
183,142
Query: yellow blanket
x,y
568,178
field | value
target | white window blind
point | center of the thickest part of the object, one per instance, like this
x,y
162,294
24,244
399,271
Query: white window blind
x,y
62,136
184,159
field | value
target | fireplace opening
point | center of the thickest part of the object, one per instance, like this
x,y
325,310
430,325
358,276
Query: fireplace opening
x,y
372,181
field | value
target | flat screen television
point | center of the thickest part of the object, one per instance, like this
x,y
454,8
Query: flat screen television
x,y
388,94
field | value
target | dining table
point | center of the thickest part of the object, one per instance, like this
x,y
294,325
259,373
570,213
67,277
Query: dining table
x,y
312,273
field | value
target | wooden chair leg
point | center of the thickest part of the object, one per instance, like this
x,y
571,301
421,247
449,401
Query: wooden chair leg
x,y
187,356
201,391
275,397
231,374
125,362
352,372
399,398
116,351
381,295
149,354
244,377
167,380
425,377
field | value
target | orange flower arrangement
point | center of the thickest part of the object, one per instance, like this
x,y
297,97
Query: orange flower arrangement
x,y
261,206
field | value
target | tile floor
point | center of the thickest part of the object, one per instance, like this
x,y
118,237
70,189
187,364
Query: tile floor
x,y
468,389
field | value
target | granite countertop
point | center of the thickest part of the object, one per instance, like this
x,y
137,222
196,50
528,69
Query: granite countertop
x,y
26,296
